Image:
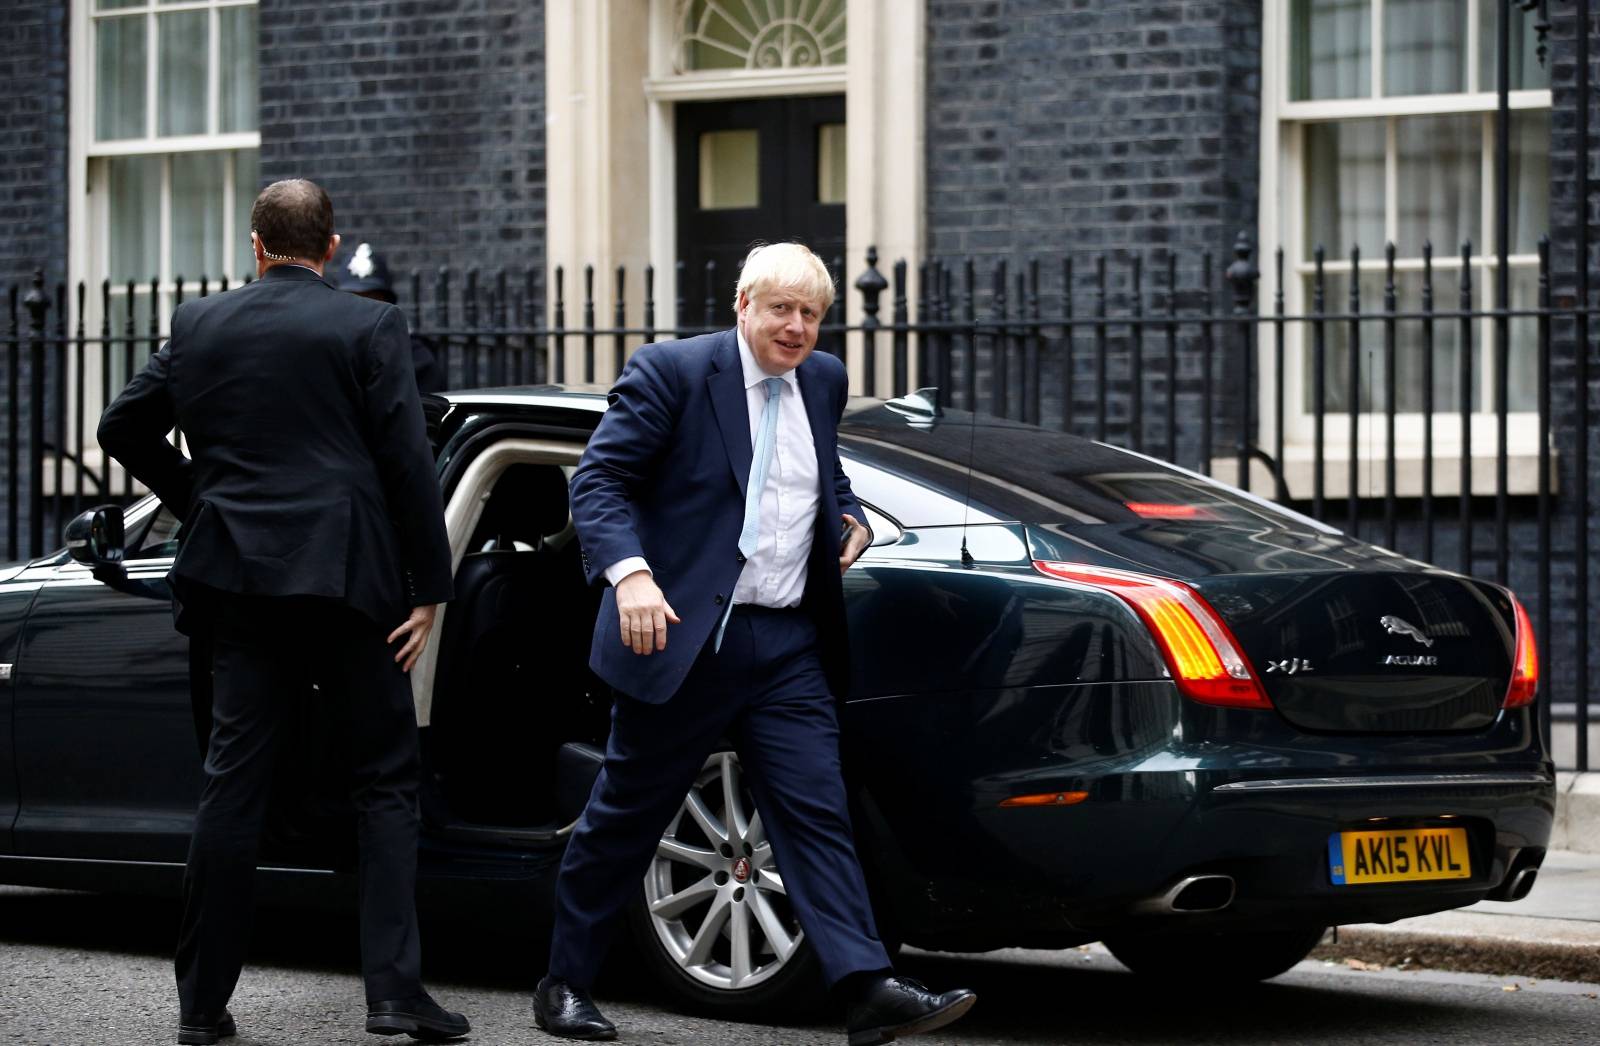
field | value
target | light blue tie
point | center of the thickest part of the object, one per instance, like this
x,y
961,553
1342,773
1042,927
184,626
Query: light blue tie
x,y
760,465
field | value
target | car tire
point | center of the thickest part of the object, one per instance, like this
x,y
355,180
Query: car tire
x,y
697,877
1219,957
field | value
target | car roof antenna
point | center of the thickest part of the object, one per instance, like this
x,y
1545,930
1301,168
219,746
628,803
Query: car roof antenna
x,y
966,507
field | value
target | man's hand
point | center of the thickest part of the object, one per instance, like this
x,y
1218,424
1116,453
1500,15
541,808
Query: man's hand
x,y
416,629
644,613
855,541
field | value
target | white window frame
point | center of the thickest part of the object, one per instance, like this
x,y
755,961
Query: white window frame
x,y
1281,222
88,248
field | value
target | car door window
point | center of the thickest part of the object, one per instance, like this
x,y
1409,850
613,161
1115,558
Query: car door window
x,y
885,531
159,539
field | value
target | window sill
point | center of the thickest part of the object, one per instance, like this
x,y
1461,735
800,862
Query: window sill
x,y
1299,473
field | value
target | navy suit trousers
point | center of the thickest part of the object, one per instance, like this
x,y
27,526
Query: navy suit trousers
x,y
764,691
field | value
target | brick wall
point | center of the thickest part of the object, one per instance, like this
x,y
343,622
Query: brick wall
x,y
1056,126
424,120
1085,128
33,199
33,140
1576,630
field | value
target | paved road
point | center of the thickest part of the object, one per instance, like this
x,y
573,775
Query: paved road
x,y
84,970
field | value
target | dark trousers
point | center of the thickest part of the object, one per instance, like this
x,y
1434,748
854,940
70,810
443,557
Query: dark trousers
x,y
766,691
265,650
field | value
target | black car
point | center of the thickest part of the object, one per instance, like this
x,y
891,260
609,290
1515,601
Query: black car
x,y
1096,697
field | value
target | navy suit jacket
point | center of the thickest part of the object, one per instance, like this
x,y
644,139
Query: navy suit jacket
x,y
664,478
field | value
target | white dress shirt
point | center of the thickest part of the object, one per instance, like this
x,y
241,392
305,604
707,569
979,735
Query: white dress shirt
x,y
775,576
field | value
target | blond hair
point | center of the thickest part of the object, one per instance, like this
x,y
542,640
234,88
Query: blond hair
x,y
784,266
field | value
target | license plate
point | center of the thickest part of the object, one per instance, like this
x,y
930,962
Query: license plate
x,y
1400,855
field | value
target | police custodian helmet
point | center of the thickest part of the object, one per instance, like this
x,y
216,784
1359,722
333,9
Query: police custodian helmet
x,y
363,271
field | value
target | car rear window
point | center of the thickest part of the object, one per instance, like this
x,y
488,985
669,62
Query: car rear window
x,y
915,469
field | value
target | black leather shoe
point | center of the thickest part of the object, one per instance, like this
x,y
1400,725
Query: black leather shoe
x,y
419,1017
199,1030
891,1007
569,1013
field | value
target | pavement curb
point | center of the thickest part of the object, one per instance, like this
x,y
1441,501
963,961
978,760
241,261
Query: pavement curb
x,y
1528,959
1577,822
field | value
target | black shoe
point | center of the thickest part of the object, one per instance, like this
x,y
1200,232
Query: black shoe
x,y
419,1017
200,1030
569,1013
894,1006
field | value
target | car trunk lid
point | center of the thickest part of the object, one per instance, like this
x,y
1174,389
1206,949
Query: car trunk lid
x,y
1373,651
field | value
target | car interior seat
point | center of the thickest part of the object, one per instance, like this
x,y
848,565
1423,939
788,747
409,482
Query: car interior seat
x,y
509,683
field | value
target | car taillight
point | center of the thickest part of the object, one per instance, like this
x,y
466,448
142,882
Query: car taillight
x,y
1525,666
1201,653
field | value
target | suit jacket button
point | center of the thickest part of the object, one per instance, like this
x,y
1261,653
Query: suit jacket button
x,y
739,556
718,599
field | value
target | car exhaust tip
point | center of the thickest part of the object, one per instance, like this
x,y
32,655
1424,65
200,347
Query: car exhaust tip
x,y
1517,886
1192,895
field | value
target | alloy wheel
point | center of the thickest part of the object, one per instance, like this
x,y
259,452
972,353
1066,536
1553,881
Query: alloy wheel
x,y
715,897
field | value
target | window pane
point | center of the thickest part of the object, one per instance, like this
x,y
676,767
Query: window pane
x,y
1526,72
1344,186
757,34
1424,46
238,65
1530,178
1440,182
110,5
185,60
197,214
729,169
1337,340
831,167
120,64
246,183
120,302
1524,361
134,213
718,41
1411,345
1330,49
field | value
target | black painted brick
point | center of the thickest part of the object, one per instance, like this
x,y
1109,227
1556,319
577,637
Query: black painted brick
x,y
424,120
33,184
1084,128
1575,631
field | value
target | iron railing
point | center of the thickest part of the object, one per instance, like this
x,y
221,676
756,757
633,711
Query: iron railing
x,y
1164,354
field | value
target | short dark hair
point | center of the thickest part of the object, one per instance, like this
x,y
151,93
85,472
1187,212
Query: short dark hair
x,y
294,219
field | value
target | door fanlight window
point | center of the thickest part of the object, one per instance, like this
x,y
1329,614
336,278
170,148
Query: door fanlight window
x,y
754,34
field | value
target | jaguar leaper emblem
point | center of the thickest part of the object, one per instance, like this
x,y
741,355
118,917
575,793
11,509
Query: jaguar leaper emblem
x,y
1397,627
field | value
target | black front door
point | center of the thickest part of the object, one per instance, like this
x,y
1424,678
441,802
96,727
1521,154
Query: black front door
x,y
753,171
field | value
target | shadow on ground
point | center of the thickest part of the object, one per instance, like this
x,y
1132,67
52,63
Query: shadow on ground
x,y
1024,997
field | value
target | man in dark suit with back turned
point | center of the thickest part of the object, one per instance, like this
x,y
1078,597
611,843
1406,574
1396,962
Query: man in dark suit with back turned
x,y
313,544
711,497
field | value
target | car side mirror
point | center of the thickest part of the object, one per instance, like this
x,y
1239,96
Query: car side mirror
x,y
920,408
95,536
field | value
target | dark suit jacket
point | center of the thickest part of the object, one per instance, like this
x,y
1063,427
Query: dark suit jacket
x,y
312,473
664,478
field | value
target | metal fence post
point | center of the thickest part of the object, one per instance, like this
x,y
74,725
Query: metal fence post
x,y
1580,460
38,305
13,462
1243,274
901,322
871,284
